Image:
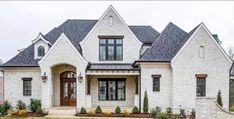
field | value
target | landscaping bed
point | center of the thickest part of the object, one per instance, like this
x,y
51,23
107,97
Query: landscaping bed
x,y
29,114
131,115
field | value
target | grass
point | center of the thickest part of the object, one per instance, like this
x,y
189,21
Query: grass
x,y
40,118
231,109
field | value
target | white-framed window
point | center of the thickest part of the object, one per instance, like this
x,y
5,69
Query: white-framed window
x,y
40,51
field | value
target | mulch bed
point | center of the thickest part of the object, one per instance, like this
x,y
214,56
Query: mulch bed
x,y
29,114
140,115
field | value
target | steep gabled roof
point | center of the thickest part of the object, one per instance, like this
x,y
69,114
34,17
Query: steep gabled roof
x,y
167,44
75,30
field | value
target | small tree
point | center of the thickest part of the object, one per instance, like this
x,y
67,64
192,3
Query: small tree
x,y
83,111
98,109
135,110
219,99
117,110
146,104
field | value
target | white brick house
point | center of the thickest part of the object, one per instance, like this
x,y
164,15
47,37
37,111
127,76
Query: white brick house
x,y
86,63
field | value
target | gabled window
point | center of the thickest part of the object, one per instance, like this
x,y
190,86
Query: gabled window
x,y
40,51
201,85
156,82
27,86
111,48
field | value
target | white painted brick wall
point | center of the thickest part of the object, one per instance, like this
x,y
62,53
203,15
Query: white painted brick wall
x,y
188,63
13,84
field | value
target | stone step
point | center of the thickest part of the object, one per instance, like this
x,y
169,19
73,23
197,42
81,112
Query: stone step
x,y
62,111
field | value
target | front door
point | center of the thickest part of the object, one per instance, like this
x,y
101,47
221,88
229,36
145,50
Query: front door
x,y
68,89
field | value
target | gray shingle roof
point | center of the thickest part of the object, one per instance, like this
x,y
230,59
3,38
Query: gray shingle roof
x,y
146,34
111,66
75,30
167,44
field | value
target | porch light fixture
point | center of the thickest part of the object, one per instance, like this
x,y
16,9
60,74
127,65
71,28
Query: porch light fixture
x,y
44,77
80,78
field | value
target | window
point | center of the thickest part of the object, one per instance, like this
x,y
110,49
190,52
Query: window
x,y
111,89
40,51
110,20
156,82
111,49
27,86
202,52
201,85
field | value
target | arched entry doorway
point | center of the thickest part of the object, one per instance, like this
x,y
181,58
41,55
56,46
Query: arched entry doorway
x,y
68,88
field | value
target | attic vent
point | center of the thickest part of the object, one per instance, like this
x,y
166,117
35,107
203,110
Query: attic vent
x,y
202,52
111,20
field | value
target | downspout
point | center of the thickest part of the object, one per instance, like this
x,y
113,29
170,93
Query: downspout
x,y
3,92
139,89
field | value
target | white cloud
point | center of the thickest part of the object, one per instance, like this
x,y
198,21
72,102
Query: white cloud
x,y
20,22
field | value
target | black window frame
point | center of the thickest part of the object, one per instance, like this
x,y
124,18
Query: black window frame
x,y
106,45
156,79
201,83
116,88
27,89
41,51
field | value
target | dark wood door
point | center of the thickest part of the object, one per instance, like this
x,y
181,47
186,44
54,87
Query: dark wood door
x,y
68,89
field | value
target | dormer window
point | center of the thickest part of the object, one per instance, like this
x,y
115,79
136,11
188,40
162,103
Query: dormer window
x,y
40,51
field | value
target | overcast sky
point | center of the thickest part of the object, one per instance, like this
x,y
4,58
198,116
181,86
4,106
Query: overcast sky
x,y
21,22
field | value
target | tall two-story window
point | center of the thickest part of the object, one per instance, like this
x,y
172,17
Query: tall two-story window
x,y
201,85
27,86
111,49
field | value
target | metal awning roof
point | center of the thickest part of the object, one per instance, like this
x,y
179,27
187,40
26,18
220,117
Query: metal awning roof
x,y
111,69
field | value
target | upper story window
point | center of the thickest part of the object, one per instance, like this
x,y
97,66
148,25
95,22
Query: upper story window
x,y
40,51
111,49
201,85
202,52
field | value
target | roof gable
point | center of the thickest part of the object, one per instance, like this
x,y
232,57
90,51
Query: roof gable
x,y
111,12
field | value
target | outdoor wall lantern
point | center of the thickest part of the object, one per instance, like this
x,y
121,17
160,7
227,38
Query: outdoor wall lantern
x,y
44,77
80,78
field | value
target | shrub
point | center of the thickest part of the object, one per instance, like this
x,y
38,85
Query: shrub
x,y
169,110
117,110
135,110
5,107
10,111
34,105
155,112
182,112
158,109
83,111
126,112
92,112
20,105
106,112
163,116
231,109
219,99
98,109
146,104
39,110
193,113
22,112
